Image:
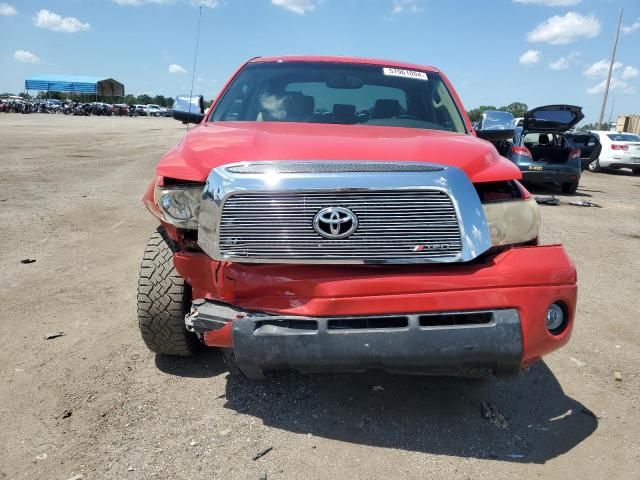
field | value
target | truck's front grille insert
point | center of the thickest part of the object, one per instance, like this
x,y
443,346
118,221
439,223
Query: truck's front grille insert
x,y
453,319
292,326
392,225
367,323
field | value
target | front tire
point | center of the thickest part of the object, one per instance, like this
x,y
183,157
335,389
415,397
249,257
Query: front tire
x,y
569,188
163,300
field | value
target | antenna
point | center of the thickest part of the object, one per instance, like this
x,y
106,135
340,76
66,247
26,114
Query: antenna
x,y
195,61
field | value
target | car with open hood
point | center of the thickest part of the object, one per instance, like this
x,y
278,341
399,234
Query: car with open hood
x,y
542,149
341,214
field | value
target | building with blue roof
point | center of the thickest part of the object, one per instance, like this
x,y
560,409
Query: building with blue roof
x,y
107,87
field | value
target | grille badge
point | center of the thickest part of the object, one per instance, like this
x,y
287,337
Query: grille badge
x,y
335,222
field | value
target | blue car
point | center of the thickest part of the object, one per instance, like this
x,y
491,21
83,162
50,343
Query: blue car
x,y
543,152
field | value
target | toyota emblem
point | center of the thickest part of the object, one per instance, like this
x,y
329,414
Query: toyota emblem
x,y
335,222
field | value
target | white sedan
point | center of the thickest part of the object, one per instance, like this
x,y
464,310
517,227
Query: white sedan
x,y
154,110
619,150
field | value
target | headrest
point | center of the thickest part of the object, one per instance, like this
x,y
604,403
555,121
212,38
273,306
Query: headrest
x,y
299,106
386,108
344,113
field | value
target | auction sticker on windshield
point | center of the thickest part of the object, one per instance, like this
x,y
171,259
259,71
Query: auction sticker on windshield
x,y
399,72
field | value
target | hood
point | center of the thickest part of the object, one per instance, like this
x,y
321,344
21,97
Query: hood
x,y
210,145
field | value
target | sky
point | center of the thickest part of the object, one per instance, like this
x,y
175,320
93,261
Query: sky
x,y
494,51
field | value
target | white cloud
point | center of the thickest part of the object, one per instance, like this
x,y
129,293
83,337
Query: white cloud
x,y
619,78
631,28
601,68
407,6
296,6
616,85
25,56
137,3
629,72
175,68
196,3
564,63
561,64
53,21
530,57
205,3
549,3
558,30
6,10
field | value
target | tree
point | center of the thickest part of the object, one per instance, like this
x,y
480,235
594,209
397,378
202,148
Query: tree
x,y
593,126
160,100
129,99
518,109
476,114
143,99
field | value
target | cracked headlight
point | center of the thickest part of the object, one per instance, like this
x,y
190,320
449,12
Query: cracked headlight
x,y
179,204
512,222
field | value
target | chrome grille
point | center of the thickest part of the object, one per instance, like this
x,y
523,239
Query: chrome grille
x,y
399,225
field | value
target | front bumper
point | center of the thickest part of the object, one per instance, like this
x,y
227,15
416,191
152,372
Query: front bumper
x,y
522,281
435,344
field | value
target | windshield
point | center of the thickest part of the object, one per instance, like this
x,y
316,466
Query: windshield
x,y
348,94
624,137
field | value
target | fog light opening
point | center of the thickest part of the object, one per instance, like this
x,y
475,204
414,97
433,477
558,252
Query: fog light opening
x,y
556,318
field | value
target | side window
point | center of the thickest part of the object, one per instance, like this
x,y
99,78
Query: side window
x,y
235,108
531,139
579,140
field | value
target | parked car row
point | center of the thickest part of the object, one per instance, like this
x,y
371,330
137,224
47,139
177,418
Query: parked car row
x,y
74,108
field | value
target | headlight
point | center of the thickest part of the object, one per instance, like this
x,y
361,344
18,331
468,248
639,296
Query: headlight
x,y
511,222
179,204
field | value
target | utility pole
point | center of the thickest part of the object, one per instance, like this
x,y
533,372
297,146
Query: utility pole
x,y
613,59
613,104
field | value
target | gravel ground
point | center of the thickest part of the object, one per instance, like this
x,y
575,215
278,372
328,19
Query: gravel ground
x,y
94,402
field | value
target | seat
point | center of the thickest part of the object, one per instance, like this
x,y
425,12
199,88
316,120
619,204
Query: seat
x,y
287,107
543,139
299,107
386,108
344,113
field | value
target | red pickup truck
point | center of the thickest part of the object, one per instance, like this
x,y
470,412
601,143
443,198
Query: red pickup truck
x,y
342,214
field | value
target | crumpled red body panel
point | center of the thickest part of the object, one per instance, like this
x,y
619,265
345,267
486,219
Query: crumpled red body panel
x,y
526,278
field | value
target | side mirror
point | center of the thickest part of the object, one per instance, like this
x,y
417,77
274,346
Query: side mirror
x,y
188,109
496,126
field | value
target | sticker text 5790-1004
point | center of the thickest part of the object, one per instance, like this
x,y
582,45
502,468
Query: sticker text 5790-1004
x,y
399,72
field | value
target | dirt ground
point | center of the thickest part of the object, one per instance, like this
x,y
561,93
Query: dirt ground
x,y
94,402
